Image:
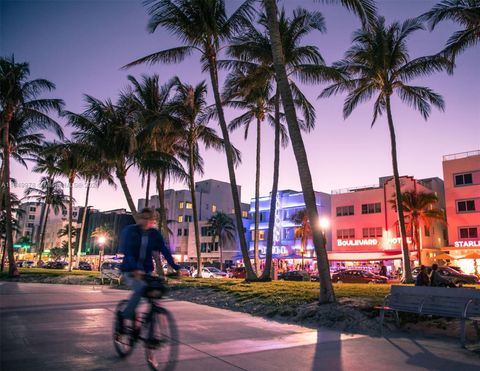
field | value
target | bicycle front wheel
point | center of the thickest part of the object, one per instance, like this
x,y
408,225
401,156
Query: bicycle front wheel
x,y
123,338
161,345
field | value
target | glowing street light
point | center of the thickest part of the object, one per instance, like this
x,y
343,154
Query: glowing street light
x,y
324,223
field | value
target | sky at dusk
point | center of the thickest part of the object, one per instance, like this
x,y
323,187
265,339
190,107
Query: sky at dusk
x,y
81,46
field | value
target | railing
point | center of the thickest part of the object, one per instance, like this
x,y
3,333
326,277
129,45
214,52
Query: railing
x,y
354,189
460,155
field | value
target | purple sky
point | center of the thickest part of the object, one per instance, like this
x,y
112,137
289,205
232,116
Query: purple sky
x,y
81,45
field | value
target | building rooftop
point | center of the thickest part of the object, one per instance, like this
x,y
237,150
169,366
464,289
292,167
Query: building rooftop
x,y
457,156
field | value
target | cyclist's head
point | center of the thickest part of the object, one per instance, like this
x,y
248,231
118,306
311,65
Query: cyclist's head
x,y
147,218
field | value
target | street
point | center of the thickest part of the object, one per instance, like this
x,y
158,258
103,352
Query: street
x,y
62,327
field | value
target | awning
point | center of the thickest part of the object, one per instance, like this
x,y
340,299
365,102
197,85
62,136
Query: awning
x,y
362,256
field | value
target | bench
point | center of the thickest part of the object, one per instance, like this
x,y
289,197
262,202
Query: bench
x,y
111,272
460,303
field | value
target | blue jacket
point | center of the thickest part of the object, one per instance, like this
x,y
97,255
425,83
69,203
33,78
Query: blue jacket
x,y
130,243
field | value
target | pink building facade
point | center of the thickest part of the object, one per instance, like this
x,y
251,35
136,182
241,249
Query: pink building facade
x,y
364,224
461,173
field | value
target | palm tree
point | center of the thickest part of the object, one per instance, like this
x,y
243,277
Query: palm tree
x,y
419,208
303,231
70,163
51,195
253,54
188,106
3,223
158,138
378,64
326,289
223,228
464,12
203,26
111,130
20,97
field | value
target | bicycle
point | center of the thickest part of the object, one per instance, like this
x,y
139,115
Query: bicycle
x,y
155,327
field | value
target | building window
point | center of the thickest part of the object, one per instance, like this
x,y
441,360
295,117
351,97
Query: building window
x,y
345,233
31,217
181,205
371,208
244,214
179,231
33,209
463,179
203,247
372,232
74,215
427,231
261,235
465,206
345,210
185,232
470,232
214,208
206,207
188,205
30,225
206,231
188,218
180,219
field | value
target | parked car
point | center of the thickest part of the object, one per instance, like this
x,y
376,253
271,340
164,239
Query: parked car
x,y
451,274
56,265
357,276
238,272
28,264
19,263
294,276
210,272
85,266
184,272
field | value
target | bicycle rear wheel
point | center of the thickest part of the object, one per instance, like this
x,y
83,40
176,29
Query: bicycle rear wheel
x,y
161,344
125,340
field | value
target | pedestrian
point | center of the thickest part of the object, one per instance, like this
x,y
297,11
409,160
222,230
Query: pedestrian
x,y
422,278
383,270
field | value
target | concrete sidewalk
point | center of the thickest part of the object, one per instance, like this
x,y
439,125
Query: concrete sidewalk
x,y
61,327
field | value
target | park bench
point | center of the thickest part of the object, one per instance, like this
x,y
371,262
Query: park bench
x,y
460,303
110,271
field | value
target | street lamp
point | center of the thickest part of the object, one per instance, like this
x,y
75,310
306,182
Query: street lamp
x,y
101,241
324,224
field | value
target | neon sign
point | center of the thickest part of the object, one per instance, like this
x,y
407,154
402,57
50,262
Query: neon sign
x,y
467,243
371,242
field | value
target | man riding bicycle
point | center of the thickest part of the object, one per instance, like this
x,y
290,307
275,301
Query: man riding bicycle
x,y
140,243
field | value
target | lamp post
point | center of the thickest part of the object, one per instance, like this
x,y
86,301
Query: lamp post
x,y
324,225
101,241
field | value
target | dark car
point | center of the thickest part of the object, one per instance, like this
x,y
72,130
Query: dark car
x,y
85,266
294,276
450,274
56,265
357,276
238,272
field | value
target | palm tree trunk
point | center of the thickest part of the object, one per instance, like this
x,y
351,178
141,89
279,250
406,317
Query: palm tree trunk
x,y
12,267
250,274
147,195
3,243
220,249
2,170
257,201
163,220
191,176
126,192
327,294
417,242
84,220
407,272
42,237
266,275
70,217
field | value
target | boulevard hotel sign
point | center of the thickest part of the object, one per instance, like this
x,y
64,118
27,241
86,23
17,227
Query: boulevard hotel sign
x,y
371,242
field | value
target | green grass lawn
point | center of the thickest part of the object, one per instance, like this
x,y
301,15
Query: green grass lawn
x,y
32,272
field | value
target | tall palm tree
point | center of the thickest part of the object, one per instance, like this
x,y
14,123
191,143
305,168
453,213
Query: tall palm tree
x,y
419,209
466,13
3,224
70,163
110,129
203,26
303,231
378,65
51,195
253,53
223,228
20,97
189,107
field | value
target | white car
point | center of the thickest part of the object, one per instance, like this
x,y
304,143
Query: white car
x,y
211,272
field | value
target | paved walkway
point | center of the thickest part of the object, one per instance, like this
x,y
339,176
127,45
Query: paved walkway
x,y
60,327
